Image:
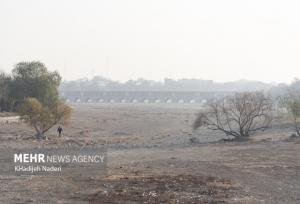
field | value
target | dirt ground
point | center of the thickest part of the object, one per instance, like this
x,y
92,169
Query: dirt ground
x,y
154,156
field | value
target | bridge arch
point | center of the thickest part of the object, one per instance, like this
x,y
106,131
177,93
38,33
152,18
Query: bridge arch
x,y
180,100
135,100
203,101
169,100
157,100
192,101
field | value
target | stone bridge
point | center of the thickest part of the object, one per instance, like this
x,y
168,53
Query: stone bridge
x,y
140,96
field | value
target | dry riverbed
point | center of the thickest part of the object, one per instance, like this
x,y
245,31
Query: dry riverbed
x,y
155,157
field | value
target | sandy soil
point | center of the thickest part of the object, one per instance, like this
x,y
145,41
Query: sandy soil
x,y
155,157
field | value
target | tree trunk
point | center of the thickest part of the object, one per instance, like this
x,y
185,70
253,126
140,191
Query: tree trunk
x,y
39,134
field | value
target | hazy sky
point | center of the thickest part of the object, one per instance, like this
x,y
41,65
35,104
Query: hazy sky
x,y
125,39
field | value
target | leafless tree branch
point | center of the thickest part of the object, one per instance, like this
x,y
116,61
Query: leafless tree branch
x,y
240,115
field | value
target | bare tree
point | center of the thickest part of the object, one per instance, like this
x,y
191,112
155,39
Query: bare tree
x,y
240,115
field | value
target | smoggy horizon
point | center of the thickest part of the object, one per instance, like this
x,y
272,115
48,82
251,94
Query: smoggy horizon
x,y
123,40
162,79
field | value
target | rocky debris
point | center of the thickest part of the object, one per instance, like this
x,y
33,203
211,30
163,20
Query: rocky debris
x,y
194,140
10,119
121,133
161,189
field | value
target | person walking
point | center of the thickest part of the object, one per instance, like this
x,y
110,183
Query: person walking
x,y
59,130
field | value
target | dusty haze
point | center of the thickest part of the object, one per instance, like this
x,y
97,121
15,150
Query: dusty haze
x,y
218,40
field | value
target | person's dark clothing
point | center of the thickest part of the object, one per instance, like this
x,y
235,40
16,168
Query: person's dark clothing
x,y
59,130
